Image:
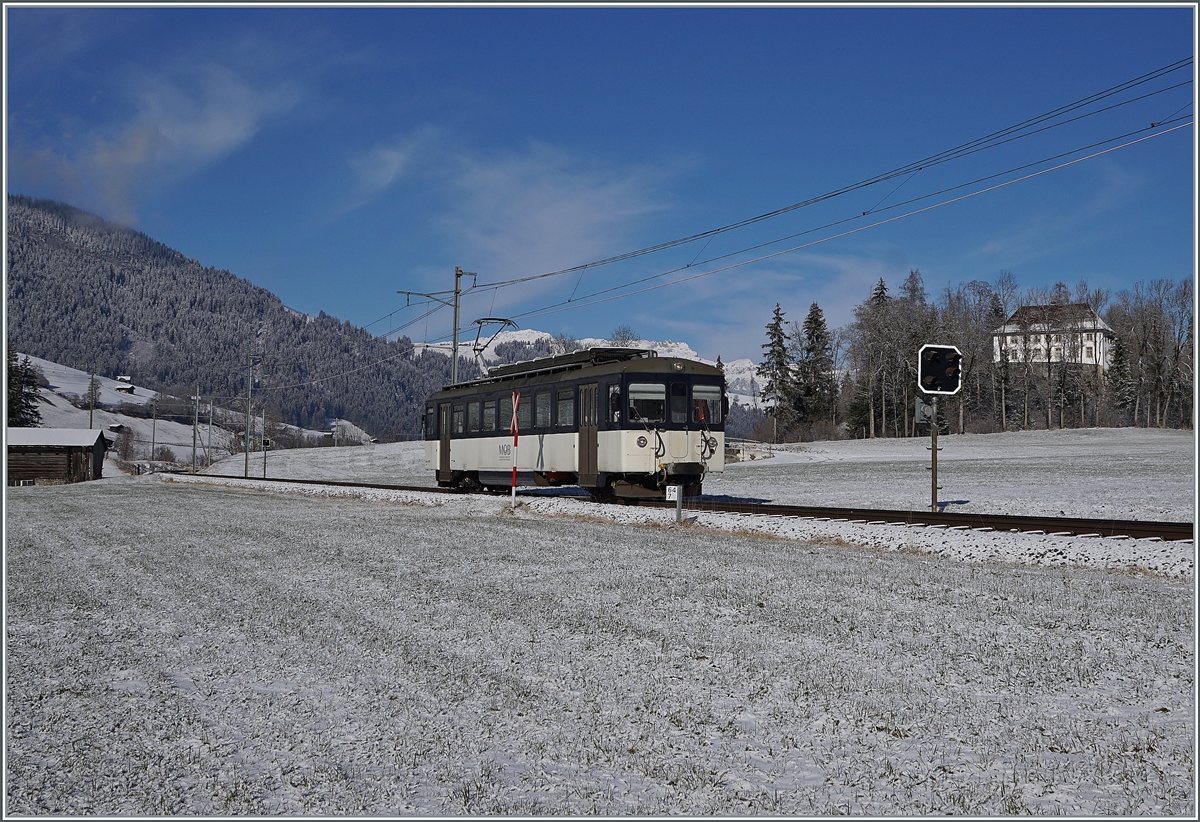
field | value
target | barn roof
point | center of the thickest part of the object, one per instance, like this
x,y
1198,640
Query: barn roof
x,y
53,437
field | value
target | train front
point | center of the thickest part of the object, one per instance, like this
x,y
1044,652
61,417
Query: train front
x,y
665,426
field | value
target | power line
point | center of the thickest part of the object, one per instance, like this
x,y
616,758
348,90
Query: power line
x,y
859,216
554,309
992,140
971,147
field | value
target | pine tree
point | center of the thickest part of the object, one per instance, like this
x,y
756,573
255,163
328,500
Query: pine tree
x,y
777,373
815,387
1121,384
879,295
23,411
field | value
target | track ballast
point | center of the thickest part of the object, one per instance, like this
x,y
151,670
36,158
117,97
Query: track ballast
x,y
1055,526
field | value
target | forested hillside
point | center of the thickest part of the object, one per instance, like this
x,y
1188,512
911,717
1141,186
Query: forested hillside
x,y
87,293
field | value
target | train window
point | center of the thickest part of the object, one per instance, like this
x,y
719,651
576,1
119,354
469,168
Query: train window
x,y
473,416
614,404
523,415
457,425
430,419
706,404
647,402
505,412
679,402
541,404
566,408
489,415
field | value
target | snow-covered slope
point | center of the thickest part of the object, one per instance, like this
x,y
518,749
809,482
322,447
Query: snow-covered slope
x,y
149,433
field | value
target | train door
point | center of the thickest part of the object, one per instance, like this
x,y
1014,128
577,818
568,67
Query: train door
x,y
588,444
443,474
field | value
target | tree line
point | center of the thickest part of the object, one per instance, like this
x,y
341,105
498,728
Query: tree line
x,y
860,381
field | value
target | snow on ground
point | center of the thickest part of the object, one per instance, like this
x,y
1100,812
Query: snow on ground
x,y
192,645
1111,473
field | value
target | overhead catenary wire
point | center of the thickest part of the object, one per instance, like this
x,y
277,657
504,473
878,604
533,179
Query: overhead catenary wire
x,y
983,143
1000,137
854,217
559,308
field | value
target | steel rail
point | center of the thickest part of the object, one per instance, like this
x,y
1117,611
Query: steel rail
x,y
1066,526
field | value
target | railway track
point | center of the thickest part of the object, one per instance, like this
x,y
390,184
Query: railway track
x,y
1055,526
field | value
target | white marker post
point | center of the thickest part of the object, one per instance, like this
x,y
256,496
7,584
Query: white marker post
x,y
675,492
516,398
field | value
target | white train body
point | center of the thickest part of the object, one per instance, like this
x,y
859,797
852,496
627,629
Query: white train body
x,y
616,421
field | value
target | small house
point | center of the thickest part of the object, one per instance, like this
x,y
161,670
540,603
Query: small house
x,y
55,454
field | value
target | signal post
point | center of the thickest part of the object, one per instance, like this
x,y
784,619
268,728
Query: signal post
x,y
939,373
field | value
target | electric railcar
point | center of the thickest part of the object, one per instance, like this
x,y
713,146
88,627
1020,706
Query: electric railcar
x,y
616,421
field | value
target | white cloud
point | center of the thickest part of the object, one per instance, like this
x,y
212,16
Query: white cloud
x,y
180,122
543,209
380,167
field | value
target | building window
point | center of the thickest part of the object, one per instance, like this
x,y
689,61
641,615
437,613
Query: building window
x,y
1087,352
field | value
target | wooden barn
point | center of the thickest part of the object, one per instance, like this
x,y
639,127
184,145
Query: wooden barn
x,y
56,454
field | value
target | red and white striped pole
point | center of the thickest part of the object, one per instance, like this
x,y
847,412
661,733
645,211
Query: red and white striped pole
x,y
516,400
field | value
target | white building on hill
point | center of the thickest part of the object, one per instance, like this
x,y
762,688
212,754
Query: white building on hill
x,y
1072,334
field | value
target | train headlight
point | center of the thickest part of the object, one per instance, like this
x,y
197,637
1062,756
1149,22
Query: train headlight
x,y
712,443
641,441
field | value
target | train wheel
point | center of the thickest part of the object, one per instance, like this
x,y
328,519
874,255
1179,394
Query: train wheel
x,y
603,493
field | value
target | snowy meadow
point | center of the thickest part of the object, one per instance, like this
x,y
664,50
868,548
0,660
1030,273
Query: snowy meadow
x,y
199,645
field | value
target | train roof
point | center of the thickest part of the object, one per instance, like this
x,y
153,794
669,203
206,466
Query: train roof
x,y
571,361
575,361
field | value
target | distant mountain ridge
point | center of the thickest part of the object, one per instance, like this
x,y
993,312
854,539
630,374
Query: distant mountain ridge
x,y
88,293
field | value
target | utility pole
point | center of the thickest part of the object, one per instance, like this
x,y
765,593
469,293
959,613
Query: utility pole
x,y
195,424
249,390
91,395
437,296
264,441
153,425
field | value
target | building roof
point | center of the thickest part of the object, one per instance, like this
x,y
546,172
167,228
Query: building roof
x,y
53,437
1055,315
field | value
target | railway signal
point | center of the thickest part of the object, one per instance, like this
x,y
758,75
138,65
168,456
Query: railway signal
x,y
939,373
939,370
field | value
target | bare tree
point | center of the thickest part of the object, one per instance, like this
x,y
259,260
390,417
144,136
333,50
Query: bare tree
x,y
623,335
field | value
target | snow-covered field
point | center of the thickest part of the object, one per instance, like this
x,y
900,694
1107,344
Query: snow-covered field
x,y
1115,473
193,645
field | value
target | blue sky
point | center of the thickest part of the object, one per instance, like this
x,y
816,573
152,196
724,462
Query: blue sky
x,y
335,156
